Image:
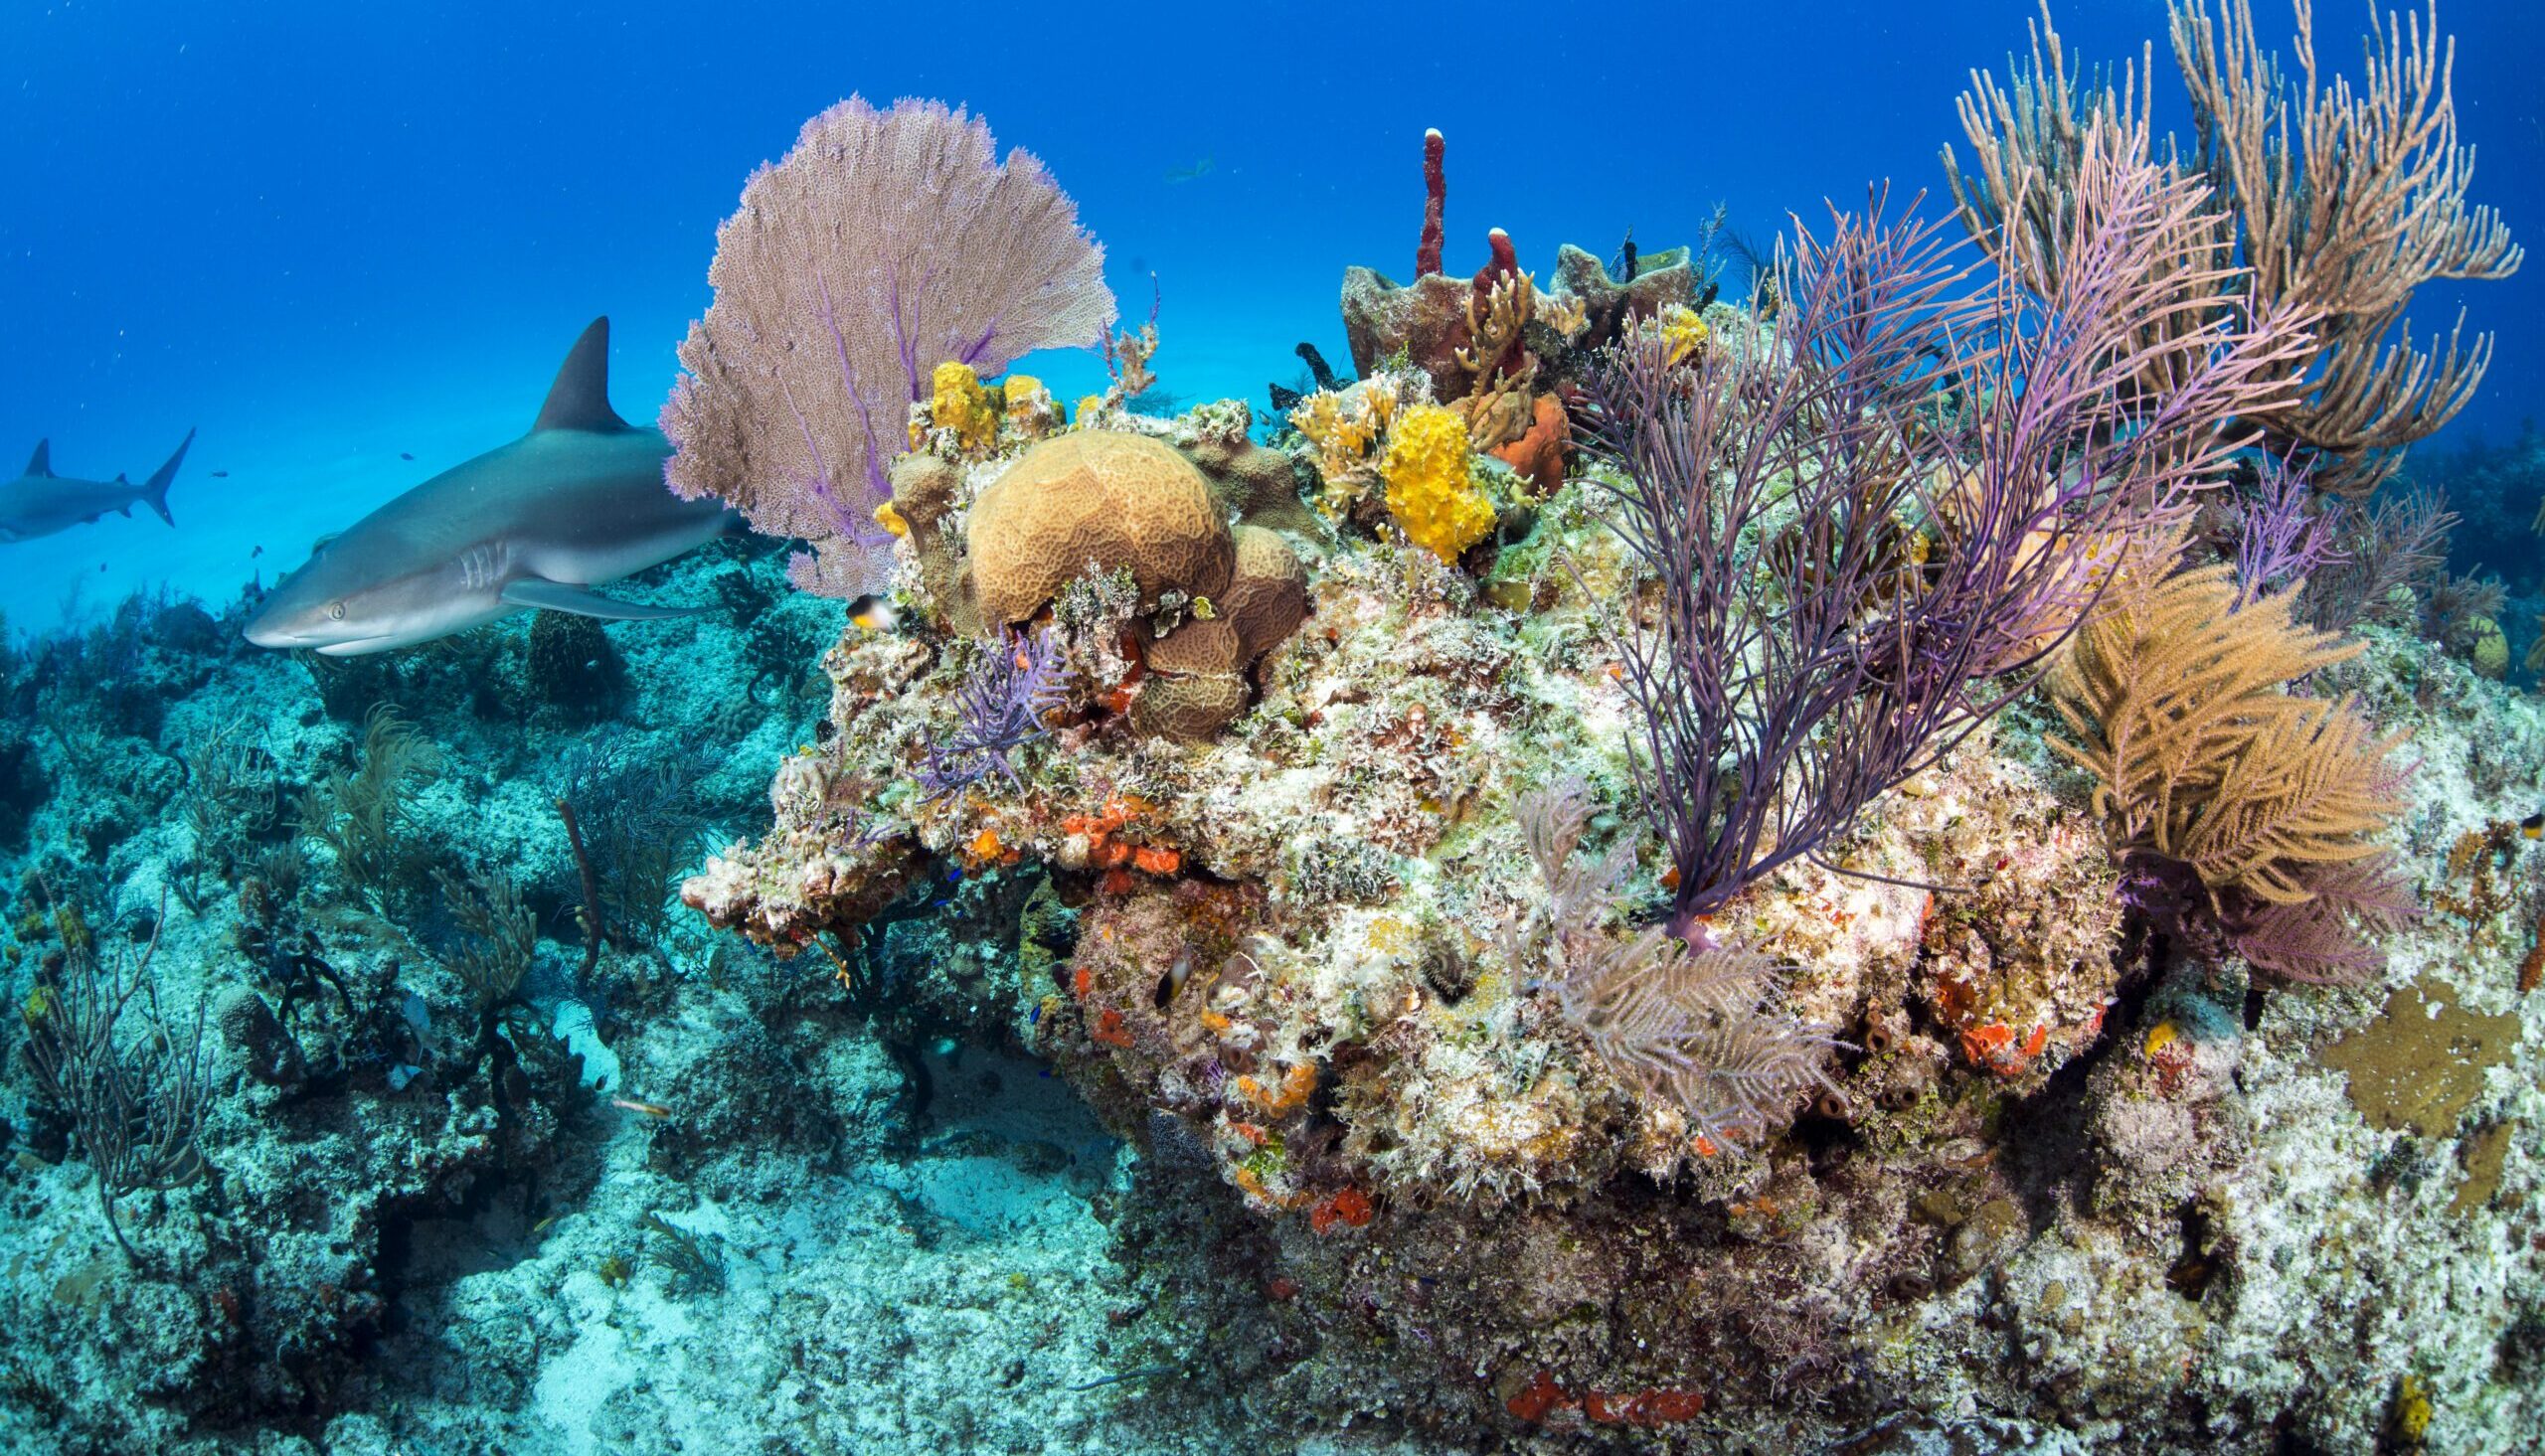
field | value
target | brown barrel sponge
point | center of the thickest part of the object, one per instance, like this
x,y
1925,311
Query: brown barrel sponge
x,y
1095,497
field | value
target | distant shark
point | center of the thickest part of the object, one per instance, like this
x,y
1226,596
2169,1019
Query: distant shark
x,y
40,503
578,501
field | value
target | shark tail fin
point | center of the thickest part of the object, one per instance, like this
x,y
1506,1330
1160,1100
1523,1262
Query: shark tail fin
x,y
154,492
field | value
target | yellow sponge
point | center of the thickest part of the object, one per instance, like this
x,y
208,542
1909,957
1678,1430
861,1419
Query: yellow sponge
x,y
1430,491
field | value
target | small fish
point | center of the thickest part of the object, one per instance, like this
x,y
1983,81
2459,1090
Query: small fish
x,y
650,1110
220,476
875,614
260,551
2533,826
404,455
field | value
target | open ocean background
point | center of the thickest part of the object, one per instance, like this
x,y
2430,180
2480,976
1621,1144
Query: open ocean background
x,y
332,236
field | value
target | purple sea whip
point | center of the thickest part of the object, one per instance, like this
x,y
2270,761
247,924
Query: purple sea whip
x,y
1013,686
1796,659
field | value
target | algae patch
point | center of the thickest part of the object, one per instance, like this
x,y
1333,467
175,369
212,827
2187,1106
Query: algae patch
x,y
2421,1063
2486,1152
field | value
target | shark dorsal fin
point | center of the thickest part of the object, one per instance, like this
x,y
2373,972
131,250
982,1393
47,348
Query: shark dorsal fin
x,y
40,463
580,399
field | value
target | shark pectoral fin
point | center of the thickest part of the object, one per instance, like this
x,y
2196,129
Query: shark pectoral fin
x,y
582,602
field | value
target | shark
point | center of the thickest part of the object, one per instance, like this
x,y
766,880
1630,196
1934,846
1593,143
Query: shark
x,y
40,503
538,522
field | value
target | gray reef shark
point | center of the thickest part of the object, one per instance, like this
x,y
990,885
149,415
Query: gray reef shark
x,y
40,503
538,522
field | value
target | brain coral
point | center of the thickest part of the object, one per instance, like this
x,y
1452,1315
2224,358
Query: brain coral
x,y
1200,664
1099,498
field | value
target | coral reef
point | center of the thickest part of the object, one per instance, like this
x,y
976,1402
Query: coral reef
x,y
1373,960
1837,870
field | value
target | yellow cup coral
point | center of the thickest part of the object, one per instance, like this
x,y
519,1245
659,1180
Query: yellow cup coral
x,y
1431,492
1031,413
2491,648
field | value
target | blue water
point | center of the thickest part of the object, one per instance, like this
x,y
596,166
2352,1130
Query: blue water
x,y
336,235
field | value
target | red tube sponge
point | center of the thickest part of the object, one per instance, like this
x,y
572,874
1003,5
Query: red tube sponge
x,y
1435,195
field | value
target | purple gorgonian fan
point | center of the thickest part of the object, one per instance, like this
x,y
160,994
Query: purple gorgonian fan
x,y
1868,529
1011,688
885,244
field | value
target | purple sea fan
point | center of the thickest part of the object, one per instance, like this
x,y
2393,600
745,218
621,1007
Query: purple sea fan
x,y
885,244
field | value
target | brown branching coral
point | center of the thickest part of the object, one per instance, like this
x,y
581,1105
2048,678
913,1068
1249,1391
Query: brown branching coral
x,y
1495,316
2341,197
499,934
364,818
885,244
134,1088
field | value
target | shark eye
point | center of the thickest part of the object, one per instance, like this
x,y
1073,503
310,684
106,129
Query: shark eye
x,y
337,611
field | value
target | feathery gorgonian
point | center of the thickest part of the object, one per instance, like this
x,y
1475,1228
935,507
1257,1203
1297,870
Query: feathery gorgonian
x,y
1797,657
885,244
1011,688
2397,541
1694,1030
2282,536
